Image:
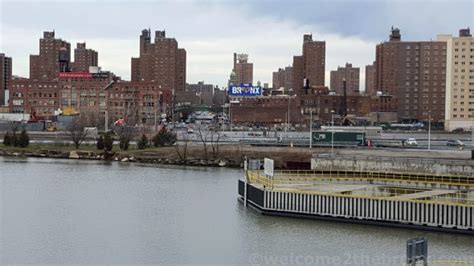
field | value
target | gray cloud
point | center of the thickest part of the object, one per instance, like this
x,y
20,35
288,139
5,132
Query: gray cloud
x,y
270,31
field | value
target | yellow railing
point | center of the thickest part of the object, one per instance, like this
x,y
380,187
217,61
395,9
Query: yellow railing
x,y
259,178
367,176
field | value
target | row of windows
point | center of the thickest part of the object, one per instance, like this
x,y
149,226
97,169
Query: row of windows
x,y
462,43
460,116
45,95
29,86
427,47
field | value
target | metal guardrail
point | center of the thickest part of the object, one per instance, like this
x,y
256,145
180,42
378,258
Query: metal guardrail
x,y
444,179
301,181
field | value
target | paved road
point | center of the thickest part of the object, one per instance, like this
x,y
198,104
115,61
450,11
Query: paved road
x,y
296,138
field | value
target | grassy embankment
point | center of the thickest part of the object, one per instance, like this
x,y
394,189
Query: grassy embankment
x,y
231,153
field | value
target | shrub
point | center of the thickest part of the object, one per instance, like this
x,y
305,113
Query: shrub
x,y
15,139
125,134
100,143
164,138
108,142
143,142
23,139
123,144
7,139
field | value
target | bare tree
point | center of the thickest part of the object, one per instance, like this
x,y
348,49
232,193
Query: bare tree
x,y
182,149
126,134
203,135
215,137
76,130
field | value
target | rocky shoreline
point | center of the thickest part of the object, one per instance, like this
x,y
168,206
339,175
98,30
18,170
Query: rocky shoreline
x,y
113,156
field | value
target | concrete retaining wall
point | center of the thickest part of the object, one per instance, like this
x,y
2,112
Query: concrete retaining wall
x,y
394,164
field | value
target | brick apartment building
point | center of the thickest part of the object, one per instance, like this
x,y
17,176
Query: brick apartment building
x,y
160,62
311,65
243,69
283,78
36,97
298,73
138,102
370,76
5,77
415,73
267,110
54,57
350,75
198,94
211,97
84,58
84,93
460,80
278,79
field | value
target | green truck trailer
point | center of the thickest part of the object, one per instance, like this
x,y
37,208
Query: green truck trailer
x,y
340,138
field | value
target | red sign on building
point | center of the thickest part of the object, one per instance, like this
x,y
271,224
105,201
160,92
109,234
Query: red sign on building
x,y
75,75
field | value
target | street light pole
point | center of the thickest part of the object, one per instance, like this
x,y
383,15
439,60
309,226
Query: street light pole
x,y
106,114
288,117
429,130
472,135
288,114
156,110
223,109
230,115
172,108
332,133
311,129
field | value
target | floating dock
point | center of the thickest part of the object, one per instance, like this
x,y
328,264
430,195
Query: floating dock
x,y
422,201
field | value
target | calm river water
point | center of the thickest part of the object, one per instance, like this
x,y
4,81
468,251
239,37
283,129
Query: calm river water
x,y
90,212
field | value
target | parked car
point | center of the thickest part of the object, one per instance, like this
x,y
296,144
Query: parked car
x,y
458,130
411,142
190,131
455,143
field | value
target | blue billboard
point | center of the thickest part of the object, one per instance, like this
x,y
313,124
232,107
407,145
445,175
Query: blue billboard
x,y
245,90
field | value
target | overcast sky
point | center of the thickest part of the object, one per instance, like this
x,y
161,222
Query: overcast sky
x,y
271,32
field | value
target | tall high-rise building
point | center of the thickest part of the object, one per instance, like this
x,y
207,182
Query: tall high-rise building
x,y
160,62
283,78
350,75
54,57
5,77
314,56
298,73
310,66
243,69
84,58
370,80
277,78
415,73
459,80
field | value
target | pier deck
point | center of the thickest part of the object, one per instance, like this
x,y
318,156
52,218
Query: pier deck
x,y
432,201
